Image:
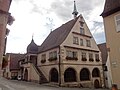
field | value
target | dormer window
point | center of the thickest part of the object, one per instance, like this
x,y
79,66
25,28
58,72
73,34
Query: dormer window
x,y
82,31
117,22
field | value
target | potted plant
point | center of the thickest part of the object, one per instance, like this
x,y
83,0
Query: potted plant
x,y
43,61
84,59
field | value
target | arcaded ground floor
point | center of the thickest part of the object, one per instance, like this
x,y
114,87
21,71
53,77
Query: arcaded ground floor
x,y
22,85
70,75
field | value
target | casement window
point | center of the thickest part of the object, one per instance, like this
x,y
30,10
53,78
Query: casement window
x,y
91,57
83,55
75,40
72,54
117,22
43,57
82,31
88,43
81,42
53,54
97,57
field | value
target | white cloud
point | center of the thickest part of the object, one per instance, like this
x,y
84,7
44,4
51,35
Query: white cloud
x,y
31,16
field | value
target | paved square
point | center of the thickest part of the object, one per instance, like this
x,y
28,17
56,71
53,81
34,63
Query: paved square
x,y
22,85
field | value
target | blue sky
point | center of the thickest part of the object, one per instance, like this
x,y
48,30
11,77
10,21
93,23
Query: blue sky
x,y
38,17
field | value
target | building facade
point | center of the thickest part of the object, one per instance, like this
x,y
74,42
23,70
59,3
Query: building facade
x,y
10,65
69,56
104,56
5,18
111,17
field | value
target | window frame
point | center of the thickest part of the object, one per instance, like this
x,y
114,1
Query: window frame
x,y
43,57
81,42
116,26
88,43
82,31
75,40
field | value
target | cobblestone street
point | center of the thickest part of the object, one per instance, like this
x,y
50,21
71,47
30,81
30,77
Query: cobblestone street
x,y
21,85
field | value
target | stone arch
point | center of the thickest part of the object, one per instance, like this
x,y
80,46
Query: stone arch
x,y
53,75
70,75
26,75
84,74
96,72
96,83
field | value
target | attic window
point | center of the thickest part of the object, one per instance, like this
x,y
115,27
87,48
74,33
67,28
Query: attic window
x,y
82,31
117,22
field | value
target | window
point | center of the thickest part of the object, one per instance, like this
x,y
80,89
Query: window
x,y
71,55
117,20
81,42
52,56
81,23
88,43
43,57
105,68
97,57
84,56
82,31
91,57
75,40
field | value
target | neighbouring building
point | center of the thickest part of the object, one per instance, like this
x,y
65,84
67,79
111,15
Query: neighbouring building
x,y
111,17
10,65
5,18
104,56
69,56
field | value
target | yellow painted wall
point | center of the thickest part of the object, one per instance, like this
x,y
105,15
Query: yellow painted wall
x,y
113,42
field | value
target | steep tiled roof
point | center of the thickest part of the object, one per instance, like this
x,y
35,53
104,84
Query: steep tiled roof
x,y
56,37
104,53
14,58
111,6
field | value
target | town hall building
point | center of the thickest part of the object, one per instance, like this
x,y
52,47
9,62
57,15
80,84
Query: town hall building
x,y
69,56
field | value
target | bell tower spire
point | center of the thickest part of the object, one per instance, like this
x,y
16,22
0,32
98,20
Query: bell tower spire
x,y
75,12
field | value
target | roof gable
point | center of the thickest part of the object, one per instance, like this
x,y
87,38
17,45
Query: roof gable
x,y
111,6
56,37
14,59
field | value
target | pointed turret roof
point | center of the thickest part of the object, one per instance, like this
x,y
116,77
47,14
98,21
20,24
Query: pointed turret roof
x,y
111,6
32,47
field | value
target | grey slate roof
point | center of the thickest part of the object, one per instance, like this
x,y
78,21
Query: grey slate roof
x,y
111,6
56,37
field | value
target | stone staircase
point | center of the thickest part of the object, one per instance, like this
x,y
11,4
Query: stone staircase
x,y
42,76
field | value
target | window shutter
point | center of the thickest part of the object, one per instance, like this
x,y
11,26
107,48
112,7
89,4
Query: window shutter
x,y
117,19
